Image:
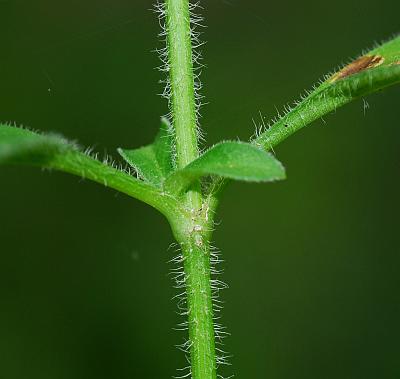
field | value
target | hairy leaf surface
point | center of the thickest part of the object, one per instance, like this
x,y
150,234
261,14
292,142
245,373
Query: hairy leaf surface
x,y
234,160
153,162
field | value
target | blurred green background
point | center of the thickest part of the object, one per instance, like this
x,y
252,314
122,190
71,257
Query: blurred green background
x,y
312,262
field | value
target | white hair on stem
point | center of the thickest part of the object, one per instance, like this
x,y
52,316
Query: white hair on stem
x,y
177,272
196,24
179,278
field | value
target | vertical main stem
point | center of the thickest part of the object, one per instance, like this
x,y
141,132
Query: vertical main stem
x,y
182,80
193,238
200,312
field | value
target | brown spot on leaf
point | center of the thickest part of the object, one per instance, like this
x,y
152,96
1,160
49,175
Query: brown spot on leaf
x,y
360,64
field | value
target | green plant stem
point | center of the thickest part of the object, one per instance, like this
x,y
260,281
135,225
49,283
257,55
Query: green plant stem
x,y
328,98
190,232
79,164
194,232
200,312
182,80
182,88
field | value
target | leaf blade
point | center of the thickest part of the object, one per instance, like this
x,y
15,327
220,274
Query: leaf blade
x,y
233,160
152,162
18,144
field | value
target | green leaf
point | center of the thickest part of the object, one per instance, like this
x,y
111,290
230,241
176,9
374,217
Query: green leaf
x,y
234,160
22,146
372,72
19,145
153,162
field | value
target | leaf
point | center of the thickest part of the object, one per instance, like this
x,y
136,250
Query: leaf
x,y
19,145
374,71
153,162
234,160
22,146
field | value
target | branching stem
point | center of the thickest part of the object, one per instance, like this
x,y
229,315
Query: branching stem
x,y
190,232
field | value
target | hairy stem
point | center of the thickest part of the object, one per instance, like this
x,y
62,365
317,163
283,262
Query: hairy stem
x,y
182,80
191,232
182,88
328,98
196,256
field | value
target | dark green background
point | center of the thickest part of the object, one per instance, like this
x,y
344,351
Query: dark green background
x,y
312,262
